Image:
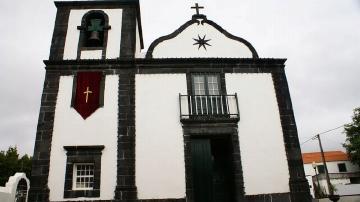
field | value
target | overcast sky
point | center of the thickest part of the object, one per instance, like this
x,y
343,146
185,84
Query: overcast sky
x,y
320,39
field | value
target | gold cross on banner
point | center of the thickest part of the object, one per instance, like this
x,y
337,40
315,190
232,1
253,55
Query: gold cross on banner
x,y
87,92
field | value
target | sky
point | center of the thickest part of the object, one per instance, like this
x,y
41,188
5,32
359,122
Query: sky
x,y
320,39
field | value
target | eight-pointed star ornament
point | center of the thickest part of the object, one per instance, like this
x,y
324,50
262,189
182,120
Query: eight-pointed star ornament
x,y
202,42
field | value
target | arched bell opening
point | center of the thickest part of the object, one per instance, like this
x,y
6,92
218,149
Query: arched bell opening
x,y
93,31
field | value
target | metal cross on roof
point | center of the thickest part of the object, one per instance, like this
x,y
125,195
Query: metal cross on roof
x,y
197,7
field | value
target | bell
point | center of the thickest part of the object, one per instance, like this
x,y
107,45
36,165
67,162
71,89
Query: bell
x,y
94,36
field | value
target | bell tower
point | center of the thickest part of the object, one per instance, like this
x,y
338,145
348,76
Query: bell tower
x,y
94,30
83,149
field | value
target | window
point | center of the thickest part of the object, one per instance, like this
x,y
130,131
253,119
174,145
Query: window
x,y
320,169
83,176
83,171
342,167
207,98
207,84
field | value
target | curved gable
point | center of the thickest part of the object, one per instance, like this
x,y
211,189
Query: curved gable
x,y
201,38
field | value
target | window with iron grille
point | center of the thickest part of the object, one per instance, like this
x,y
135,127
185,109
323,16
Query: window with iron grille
x,y
83,176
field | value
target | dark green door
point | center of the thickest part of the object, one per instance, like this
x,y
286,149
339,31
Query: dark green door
x,y
211,164
202,169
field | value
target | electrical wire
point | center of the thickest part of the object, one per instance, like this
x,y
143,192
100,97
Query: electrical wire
x,y
314,137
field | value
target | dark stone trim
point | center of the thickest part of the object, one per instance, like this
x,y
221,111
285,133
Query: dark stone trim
x,y
173,67
125,184
94,149
138,200
196,19
138,18
102,90
167,37
227,34
167,68
95,3
128,33
299,187
162,61
59,35
222,130
82,39
209,119
39,190
275,197
82,154
162,200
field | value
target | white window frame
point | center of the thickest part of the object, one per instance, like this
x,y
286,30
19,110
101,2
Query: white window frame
x,y
75,176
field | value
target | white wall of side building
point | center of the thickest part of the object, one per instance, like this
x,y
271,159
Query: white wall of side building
x,y
73,35
263,156
70,129
160,164
182,46
332,167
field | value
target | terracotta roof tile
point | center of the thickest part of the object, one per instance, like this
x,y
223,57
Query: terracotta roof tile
x,y
329,156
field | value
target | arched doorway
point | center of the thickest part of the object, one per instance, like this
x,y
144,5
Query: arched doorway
x,y
21,191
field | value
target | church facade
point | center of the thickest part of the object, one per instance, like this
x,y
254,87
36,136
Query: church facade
x,y
199,118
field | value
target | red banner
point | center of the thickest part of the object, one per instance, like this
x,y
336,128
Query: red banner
x,y
87,98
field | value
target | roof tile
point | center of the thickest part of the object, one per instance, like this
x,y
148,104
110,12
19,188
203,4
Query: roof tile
x,y
329,156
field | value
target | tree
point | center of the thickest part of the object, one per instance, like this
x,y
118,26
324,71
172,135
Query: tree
x,y
352,131
10,164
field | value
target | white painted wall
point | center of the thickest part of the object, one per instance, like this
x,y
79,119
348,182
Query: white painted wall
x,y
182,45
91,54
262,149
160,165
71,129
332,167
114,34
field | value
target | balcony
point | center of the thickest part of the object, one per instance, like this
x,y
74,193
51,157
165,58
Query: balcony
x,y
209,108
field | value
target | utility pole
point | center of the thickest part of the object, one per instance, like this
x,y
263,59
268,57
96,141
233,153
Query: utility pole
x,y
332,197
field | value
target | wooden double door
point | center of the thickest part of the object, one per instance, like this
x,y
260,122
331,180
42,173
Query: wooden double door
x,y
212,171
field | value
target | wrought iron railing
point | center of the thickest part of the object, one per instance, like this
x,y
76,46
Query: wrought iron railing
x,y
208,106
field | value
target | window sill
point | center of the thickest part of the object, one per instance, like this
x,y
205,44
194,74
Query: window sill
x,y
82,193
